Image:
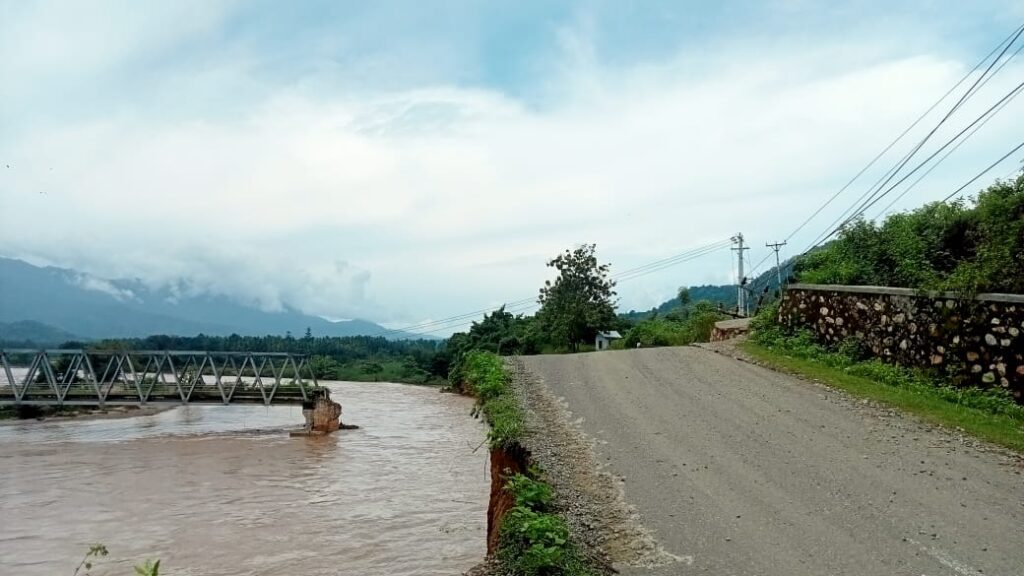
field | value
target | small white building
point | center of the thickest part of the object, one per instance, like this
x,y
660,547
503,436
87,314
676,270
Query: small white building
x,y
604,339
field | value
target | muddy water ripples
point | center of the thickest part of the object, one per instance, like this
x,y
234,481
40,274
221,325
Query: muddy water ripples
x,y
217,490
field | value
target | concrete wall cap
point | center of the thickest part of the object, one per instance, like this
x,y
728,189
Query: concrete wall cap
x,y
890,291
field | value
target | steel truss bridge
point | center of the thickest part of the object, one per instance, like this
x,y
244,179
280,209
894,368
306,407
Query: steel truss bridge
x,y
146,377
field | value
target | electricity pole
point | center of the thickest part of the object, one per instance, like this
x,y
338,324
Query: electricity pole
x,y
741,296
778,268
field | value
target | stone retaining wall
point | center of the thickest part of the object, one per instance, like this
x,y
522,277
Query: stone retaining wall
x,y
977,341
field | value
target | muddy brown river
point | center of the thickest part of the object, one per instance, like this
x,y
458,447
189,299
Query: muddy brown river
x,y
223,490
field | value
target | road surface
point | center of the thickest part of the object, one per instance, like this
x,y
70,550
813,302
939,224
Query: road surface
x,y
744,471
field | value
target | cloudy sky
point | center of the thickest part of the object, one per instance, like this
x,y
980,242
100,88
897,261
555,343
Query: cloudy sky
x,y
407,161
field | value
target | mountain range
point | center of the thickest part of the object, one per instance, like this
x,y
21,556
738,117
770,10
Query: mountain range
x,y
49,305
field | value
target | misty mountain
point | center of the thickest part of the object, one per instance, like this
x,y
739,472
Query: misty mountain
x,y
30,332
66,301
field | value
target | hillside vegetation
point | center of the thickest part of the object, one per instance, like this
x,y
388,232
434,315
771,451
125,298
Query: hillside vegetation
x,y
964,246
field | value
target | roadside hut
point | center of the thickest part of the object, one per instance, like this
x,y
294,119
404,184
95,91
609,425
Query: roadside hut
x,y
604,339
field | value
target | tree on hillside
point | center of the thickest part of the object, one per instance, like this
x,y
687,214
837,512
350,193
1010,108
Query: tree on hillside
x,y
684,296
580,301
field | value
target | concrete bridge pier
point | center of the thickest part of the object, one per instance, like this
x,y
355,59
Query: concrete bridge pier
x,y
322,414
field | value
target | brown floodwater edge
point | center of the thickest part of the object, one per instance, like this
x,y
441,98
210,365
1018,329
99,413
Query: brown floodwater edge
x,y
223,490
10,416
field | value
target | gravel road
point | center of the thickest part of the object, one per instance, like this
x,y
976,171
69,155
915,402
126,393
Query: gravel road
x,y
738,470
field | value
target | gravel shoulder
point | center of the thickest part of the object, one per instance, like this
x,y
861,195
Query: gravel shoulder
x,y
735,469
589,497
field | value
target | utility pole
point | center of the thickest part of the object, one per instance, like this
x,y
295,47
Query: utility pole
x,y
778,268
741,295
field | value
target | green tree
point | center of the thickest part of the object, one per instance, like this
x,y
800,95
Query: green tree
x,y
581,300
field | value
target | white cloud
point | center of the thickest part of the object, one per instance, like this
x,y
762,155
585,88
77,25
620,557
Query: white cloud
x,y
408,204
103,286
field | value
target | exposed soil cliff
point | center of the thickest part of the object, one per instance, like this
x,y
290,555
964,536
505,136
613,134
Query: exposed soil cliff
x,y
504,463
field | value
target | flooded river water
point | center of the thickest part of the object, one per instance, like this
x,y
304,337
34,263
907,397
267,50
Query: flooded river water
x,y
222,490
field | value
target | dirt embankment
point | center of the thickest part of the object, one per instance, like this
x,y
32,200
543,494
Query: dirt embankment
x,y
504,463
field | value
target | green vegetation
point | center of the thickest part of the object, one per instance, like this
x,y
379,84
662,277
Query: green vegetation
x,y
684,325
534,539
574,308
500,332
375,369
991,414
967,247
580,301
724,295
482,375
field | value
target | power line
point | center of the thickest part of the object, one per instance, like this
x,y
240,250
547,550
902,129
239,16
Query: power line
x,y
983,172
521,310
871,195
940,160
627,275
696,254
960,143
864,207
624,276
900,137
988,113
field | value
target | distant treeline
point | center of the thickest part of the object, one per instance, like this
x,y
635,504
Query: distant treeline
x,y
361,358
340,348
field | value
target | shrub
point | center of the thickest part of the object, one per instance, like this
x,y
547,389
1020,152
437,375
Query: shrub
x,y
678,328
959,246
657,332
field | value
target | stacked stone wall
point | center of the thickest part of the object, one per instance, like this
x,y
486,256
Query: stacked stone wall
x,y
978,341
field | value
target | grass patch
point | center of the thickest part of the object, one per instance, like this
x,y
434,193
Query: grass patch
x,y
991,415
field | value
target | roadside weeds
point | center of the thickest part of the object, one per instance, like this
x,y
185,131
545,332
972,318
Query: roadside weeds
x,y
1000,430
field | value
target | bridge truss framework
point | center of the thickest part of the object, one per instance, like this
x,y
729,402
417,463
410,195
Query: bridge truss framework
x,y
57,377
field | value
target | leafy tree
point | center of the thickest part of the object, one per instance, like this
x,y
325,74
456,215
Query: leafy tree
x,y
581,300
